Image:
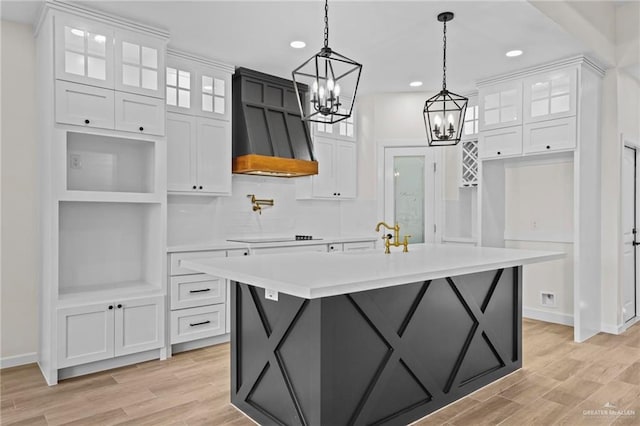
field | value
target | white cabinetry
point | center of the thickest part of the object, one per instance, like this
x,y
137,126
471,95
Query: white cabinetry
x,y
199,155
139,64
550,95
501,143
337,171
140,114
551,135
82,105
198,98
95,332
500,105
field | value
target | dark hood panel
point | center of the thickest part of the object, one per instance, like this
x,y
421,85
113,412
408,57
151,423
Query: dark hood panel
x,y
269,136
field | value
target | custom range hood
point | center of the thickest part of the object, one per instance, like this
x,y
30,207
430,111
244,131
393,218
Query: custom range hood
x,y
269,136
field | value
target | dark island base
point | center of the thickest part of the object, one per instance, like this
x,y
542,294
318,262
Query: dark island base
x,y
388,356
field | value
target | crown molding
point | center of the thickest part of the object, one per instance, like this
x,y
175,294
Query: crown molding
x,y
82,11
180,54
579,60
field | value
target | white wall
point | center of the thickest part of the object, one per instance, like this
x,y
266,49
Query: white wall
x,y
20,265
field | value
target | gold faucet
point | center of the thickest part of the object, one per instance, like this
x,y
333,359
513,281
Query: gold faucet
x,y
396,238
258,203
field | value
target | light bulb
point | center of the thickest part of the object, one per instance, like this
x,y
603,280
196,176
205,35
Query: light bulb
x,y
437,120
321,91
336,90
315,86
450,119
330,84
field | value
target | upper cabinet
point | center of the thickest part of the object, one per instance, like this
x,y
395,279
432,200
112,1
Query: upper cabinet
x,y
500,105
550,95
197,86
344,129
139,64
83,51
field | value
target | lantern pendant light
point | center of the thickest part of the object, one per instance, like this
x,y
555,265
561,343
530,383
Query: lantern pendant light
x,y
444,113
333,79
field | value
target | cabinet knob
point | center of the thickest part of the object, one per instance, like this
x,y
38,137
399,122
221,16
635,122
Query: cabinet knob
x,y
335,193
499,152
119,305
87,121
141,128
339,194
246,253
330,247
548,146
110,306
194,187
200,187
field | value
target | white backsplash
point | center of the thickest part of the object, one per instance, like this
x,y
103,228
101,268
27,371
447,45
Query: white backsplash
x,y
196,219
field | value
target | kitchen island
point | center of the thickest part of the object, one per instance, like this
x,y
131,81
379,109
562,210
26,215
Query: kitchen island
x,y
368,338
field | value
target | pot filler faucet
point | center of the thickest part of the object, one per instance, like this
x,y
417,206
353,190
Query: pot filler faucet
x,y
396,238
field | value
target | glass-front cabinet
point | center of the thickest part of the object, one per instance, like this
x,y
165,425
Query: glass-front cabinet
x,y
500,105
139,64
550,95
84,52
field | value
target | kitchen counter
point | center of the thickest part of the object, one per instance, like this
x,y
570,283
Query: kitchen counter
x,y
369,338
315,275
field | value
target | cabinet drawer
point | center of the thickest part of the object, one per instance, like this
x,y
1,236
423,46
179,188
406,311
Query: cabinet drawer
x,y
84,105
197,323
175,268
552,135
499,143
365,245
335,247
139,114
290,249
189,291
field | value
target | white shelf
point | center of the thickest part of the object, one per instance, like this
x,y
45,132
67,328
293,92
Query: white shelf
x,y
107,293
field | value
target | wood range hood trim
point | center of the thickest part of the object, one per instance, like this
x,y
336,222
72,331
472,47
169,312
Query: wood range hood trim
x,y
263,165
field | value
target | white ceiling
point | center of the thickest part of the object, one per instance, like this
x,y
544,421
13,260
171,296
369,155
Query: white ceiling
x,y
396,41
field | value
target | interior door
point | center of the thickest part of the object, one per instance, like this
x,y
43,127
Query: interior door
x,y
410,192
629,233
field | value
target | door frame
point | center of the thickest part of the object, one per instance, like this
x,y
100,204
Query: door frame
x,y
633,144
383,145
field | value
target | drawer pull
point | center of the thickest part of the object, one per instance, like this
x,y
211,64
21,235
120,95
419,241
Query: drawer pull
x,y
200,323
202,290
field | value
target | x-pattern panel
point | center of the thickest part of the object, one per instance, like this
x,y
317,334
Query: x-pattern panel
x,y
398,352
271,356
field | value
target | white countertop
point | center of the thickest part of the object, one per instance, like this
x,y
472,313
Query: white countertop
x,y
231,245
314,275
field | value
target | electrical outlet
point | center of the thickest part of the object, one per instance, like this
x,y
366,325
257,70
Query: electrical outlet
x,y
271,294
75,161
547,298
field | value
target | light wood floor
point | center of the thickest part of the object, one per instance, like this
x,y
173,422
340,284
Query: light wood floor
x,y
560,382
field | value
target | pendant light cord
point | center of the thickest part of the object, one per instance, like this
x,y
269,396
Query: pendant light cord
x,y
326,23
444,57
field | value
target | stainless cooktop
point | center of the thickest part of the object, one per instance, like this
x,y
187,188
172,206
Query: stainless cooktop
x,y
258,240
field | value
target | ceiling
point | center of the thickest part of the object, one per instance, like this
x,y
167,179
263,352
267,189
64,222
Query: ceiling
x,y
396,41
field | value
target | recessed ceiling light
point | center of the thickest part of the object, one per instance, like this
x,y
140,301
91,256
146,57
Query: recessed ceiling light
x,y
415,84
513,53
297,44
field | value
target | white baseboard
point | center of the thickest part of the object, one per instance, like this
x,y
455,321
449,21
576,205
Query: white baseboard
x,y
16,360
620,328
546,316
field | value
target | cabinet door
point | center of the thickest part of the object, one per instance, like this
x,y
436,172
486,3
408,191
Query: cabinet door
x,y
83,51
139,114
324,183
139,64
181,152
190,291
552,135
214,156
346,128
213,94
85,334
500,105
84,105
499,143
550,95
180,84
346,169
139,325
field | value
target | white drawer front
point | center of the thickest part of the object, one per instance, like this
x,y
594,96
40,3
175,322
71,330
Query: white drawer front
x,y
197,323
506,142
175,268
365,245
139,114
84,105
290,249
189,291
551,135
